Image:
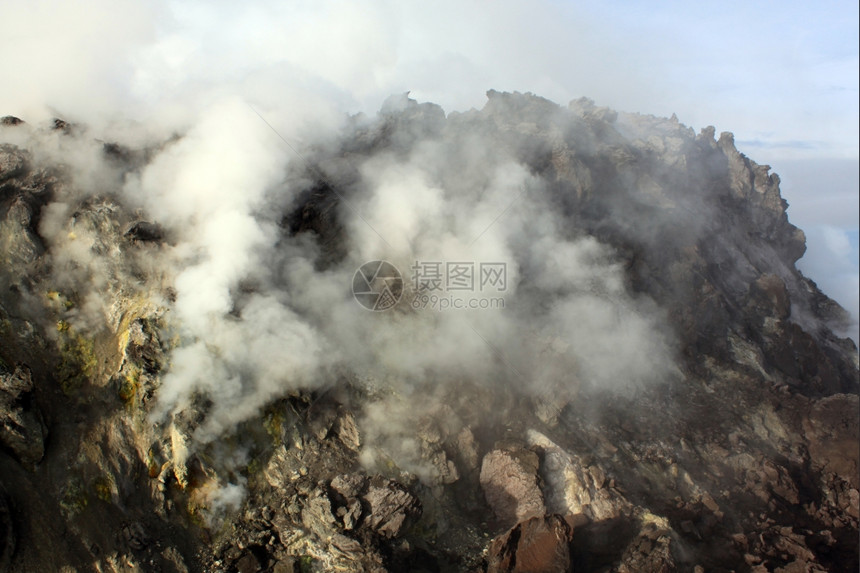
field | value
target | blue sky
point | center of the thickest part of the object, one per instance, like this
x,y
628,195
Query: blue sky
x,y
783,76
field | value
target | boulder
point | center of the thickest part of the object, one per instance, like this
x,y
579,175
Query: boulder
x,y
509,478
383,506
536,545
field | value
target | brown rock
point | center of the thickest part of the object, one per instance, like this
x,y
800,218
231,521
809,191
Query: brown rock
x,y
347,430
248,563
832,429
287,565
538,545
509,478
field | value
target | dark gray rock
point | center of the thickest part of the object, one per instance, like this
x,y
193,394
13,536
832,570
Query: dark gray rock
x,y
22,430
349,485
7,532
13,161
391,507
145,231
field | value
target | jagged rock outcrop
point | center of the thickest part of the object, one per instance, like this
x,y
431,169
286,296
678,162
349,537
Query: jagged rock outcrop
x,y
742,457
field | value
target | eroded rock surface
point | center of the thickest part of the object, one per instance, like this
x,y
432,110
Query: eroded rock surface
x,y
743,457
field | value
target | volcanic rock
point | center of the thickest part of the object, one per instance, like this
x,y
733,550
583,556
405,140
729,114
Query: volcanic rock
x,y
391,507
511,484
741,455
22,430
145,231
536,545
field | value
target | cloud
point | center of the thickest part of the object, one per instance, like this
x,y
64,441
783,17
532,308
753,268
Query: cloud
x,y
770,144
72,58
824,201
820,191
150,60
831,261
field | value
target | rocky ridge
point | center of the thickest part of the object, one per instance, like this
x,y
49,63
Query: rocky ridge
x,y
748,461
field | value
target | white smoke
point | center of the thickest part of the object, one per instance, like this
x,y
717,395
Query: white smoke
x,y
210,189
255,316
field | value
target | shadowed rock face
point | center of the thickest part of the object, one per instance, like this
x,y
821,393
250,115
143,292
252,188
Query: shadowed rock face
x,y
21,428
743,458
145,231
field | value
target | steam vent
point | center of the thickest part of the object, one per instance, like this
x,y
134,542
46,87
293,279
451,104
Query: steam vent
x,y
526,338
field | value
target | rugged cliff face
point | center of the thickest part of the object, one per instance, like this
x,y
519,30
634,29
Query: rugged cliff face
x,y
662,389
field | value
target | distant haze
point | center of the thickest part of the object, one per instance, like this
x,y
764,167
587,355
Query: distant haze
x,y
823,201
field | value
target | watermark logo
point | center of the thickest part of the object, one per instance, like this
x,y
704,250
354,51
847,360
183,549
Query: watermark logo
x,y
454,276
441,303
377,285
438,285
